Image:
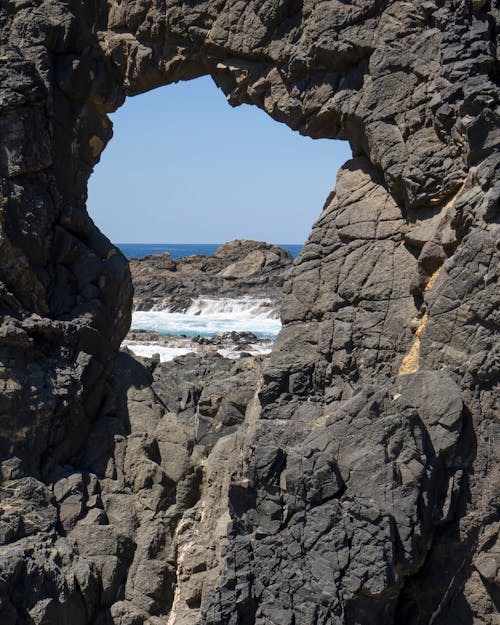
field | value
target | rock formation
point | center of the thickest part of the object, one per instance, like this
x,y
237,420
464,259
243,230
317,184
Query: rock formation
x,y
361,483
237,269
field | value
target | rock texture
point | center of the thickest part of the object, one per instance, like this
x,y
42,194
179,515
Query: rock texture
x,y
354,480
237,269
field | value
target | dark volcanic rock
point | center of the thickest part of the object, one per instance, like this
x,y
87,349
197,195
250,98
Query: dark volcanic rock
x,y
354,480
237,269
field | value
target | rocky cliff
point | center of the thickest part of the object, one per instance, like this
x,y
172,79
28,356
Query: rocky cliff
x,y
240,268
357,480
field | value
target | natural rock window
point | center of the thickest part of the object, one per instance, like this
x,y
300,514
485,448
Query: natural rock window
x,y
207,173
185,167
353,480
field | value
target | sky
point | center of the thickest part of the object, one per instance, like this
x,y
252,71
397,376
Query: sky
x,y
185,167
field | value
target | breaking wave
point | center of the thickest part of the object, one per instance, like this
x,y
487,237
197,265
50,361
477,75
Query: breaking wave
x,y
208,317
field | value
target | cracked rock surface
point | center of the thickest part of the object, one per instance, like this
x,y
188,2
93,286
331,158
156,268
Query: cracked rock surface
x,y
352,476
240,268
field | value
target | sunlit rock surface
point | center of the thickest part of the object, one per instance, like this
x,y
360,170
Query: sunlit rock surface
x,y
354,479
238,269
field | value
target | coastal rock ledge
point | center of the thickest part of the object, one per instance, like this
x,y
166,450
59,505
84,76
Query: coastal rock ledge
x,y
238,269
352,476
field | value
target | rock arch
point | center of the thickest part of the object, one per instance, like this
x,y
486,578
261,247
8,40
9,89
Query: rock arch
x,y
364,488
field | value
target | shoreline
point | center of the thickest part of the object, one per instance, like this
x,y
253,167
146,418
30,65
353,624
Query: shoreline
x,y
168,347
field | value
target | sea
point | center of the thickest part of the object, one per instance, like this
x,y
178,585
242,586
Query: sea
x,y
206,317
178,250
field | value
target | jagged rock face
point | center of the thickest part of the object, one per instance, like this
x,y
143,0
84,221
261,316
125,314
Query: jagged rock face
x,y
360,485
240,268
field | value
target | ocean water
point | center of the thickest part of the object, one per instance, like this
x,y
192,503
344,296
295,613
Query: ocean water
x,y
147,349
178,250
208,317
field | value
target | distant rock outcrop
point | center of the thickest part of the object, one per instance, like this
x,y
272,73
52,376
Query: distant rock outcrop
x,y
353,477
237,269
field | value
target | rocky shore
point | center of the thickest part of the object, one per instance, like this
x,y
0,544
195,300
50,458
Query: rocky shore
x,y
241,283
350,477
240,268
149,344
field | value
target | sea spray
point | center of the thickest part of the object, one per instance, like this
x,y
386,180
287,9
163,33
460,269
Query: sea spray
x,y
244,307
208,317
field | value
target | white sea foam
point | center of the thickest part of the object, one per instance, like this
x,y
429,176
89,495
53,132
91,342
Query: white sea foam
x,y
245,306
254,350
207,317
146,350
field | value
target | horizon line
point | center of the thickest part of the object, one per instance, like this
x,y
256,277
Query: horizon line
x,y
215,243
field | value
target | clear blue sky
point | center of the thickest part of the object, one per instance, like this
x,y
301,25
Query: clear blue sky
x,y
185,167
